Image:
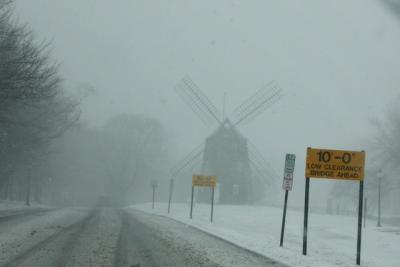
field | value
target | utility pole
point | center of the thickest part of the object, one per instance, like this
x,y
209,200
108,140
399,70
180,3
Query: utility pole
x,y
154,185
380,176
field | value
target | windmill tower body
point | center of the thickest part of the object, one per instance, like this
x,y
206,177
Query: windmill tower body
x,y
226,156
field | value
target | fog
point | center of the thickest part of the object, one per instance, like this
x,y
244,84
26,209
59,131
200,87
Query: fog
x,y
337,63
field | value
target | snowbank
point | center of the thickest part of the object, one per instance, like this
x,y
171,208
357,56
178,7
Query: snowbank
x,y
331,238
8,205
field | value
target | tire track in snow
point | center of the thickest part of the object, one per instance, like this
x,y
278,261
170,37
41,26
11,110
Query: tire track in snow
x,y
69,233
130,249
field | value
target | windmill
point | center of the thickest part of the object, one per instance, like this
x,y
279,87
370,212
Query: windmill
x,y
241,170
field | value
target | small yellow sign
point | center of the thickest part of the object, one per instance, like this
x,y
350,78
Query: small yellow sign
x,y
201,180
335,164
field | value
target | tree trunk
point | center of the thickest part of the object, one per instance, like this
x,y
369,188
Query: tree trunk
x,y
37,193
28,188
7,189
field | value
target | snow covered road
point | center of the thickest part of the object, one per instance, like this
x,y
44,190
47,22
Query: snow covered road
x,y
160,241
112,237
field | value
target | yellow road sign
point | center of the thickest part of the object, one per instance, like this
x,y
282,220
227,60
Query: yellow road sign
x,y
335,164
201,180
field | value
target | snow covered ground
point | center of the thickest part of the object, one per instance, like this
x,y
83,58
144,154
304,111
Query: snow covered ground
x,y
331,238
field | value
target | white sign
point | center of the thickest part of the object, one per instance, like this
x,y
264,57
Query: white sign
x,y
288,172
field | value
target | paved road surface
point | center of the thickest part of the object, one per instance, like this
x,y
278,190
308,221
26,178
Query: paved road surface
x,y
112,237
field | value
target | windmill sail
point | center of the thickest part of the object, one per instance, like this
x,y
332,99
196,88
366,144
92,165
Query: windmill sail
x,y
188,161
243,174
258,103
198,101
268,175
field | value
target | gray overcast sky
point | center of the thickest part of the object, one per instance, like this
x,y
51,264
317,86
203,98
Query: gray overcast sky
x,y
338,62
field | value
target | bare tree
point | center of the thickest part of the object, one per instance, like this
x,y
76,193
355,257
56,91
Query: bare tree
x,y
34,109
385,156
136,151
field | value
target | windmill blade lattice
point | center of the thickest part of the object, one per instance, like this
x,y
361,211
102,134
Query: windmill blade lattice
x,y
258,103
188,161
262,167
198,101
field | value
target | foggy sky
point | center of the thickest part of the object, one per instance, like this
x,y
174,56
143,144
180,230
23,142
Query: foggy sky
x,y
337,62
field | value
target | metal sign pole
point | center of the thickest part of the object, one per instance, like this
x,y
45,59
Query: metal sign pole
x,y
191,204
212,203
379,199
360,207
365,211
284,217
171,186
287,186
307,191
154,190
